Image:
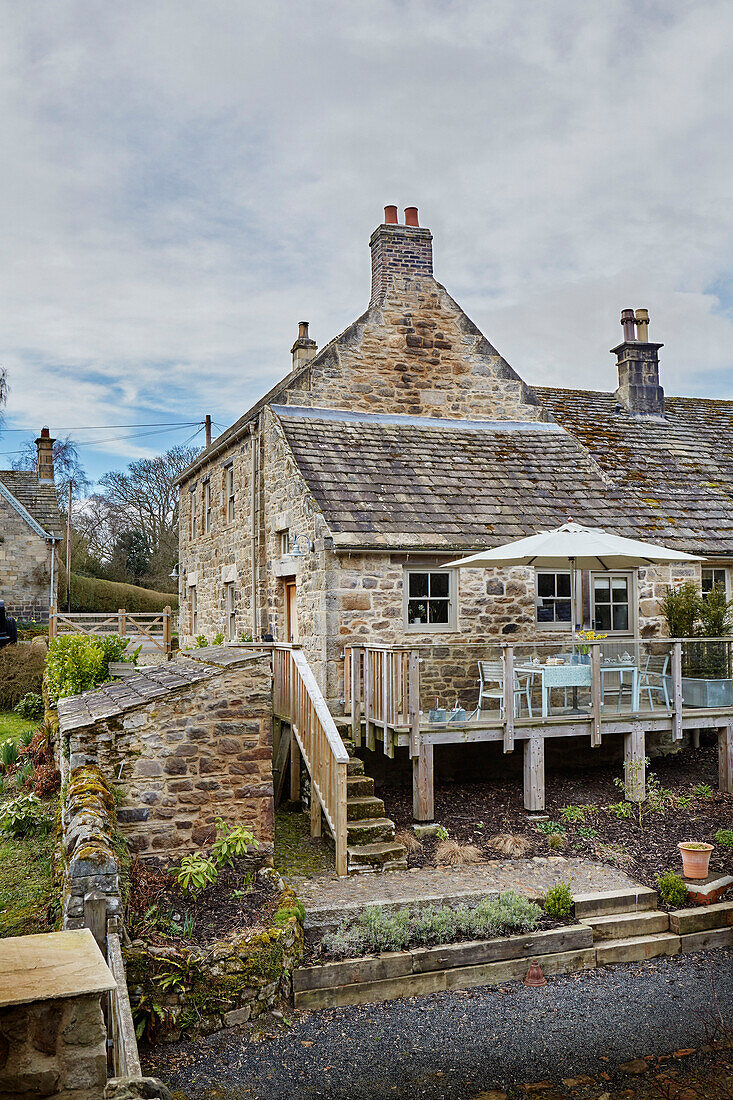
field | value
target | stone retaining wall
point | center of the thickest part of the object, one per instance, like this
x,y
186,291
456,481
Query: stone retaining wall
x,y
88,820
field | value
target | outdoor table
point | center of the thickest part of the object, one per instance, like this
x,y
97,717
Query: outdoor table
x,y
575,676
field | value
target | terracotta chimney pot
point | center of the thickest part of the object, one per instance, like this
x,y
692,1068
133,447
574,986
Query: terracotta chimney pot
x,y
411,216
390,215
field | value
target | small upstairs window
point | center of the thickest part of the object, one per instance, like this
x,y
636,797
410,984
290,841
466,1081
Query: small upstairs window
x,y
194,513
207,507
229,492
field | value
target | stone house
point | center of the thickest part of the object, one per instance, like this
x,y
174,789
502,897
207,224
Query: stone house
x,y
322,514
30,530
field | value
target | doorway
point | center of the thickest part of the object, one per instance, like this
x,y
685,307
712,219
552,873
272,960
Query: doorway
x,y
291,612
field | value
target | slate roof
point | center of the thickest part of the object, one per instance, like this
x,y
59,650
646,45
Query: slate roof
x,y
39,500
680,470
149,683
400,482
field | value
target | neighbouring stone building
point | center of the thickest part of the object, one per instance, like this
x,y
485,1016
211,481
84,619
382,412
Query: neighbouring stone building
x,y
30,531
322,514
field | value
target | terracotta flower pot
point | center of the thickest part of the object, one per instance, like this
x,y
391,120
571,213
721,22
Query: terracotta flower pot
x,y
695,860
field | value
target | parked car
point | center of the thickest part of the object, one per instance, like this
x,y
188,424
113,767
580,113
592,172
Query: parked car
x,y
8,629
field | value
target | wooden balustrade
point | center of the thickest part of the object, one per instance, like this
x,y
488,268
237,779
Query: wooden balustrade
x,y
382,688
155,626
298,699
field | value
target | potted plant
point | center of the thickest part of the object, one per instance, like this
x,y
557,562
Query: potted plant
x,y
695,858
588,636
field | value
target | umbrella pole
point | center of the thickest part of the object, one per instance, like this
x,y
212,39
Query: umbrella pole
x,y
572,601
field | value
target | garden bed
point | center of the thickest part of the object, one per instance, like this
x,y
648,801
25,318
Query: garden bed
x,y
687,806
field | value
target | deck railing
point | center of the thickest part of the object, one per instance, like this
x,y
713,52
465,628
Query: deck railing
x,y
155,626
298,699
382,687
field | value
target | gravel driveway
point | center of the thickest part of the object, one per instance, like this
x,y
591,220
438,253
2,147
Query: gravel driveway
x,y
454,1046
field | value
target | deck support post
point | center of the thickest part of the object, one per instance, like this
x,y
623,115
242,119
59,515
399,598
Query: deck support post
x,y
634,763
315,813
725,758
357,660
294,767
677,691
534,773
423,787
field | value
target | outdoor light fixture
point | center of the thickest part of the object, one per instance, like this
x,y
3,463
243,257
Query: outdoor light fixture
x,y
296,551
174,573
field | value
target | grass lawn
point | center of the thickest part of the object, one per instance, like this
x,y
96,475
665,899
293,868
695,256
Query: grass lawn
x,y
26,890
12,725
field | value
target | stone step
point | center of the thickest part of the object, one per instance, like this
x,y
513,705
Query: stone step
x,y
622,926
377,856
637,948
355,766
359,785
604,903
370,830
361,807
349,745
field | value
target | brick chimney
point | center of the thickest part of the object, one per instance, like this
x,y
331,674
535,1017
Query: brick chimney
x,y
44,450
304,348
399,250
638,367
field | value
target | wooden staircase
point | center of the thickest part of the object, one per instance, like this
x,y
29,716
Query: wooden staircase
x,y
370,843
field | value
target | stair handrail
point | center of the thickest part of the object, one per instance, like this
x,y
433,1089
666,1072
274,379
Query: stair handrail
x,y
300,700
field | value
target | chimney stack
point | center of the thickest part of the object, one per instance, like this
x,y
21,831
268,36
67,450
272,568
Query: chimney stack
x,y
638,367
44,450
304,348
399,251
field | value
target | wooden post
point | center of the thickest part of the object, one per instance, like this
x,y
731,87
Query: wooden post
x,y
534,773
634,763
68,551
52,624
508,659
122,623
369,698
596,697
725,758
315,813
341,822
95,918
413,701
677,690
357,659
294,767
423,789
387,744
167,632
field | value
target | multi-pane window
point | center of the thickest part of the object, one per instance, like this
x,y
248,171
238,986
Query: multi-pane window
x,y
194,514
194,610
229,492
207,507
553,597
611,602
430,600
231,614
714,578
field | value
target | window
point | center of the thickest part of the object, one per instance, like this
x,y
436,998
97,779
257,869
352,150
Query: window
x,y
229,492
553,599
207,507
611,598
284,537
194,611
231,614
430,600
714,578
194,514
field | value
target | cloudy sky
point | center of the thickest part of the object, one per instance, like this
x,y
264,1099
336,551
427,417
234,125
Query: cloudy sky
x,y
183,180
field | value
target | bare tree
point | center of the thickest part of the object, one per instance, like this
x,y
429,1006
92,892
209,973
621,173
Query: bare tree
x,y
3,391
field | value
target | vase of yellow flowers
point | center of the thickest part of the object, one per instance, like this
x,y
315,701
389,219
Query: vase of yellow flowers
x,y
582,657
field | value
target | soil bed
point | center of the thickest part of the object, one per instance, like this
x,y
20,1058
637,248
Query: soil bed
x,y
474,812
162,914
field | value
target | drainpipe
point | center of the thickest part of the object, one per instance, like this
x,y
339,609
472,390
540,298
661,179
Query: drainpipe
x,y
254,476
52,543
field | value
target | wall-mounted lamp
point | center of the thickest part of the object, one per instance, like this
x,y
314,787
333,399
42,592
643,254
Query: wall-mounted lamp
x,y
174,573
297,546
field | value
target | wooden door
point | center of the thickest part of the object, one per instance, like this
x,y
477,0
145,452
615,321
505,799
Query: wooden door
x,y
291,612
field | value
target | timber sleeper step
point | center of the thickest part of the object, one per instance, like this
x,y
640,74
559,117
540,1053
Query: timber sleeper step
x,y
637,948
621,926
607,902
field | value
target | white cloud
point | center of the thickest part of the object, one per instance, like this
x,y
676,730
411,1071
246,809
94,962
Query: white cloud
x,y
183,181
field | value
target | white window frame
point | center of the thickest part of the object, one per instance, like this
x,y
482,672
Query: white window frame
x,y
431,628
194,610
554,626
711,568
284,539
630,577
229,492
207,507
231,613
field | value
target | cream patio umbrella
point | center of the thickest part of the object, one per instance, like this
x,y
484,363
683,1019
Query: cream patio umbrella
x,y
575,545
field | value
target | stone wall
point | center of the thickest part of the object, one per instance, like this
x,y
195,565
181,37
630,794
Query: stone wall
x,y
53,1049
202,751
227,983
88,823
25,567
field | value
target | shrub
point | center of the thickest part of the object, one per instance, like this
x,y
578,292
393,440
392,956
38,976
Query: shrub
x,y
455,854
21,673
201,642
572,813
30,706
46,780
556,841
558,901
620,809
218,639
8,753
672,888
681,609
195,873
509,844
409,841
23,815
77,662
724,837
231,842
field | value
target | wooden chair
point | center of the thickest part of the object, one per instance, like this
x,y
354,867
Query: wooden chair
x,y
492,672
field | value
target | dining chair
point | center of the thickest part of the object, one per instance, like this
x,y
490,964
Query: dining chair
x,y
492,673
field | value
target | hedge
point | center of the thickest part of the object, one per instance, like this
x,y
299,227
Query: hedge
x,y
94,594
21,672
